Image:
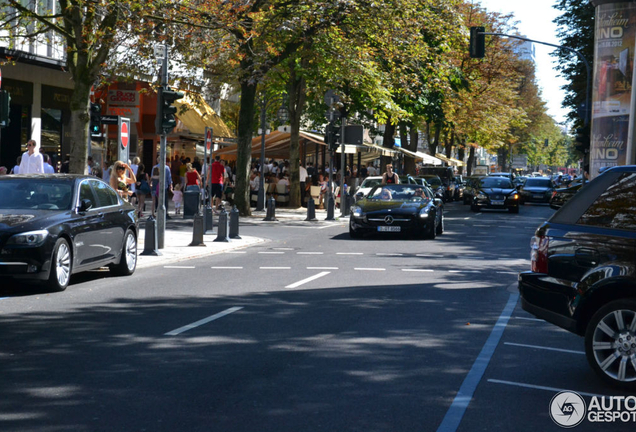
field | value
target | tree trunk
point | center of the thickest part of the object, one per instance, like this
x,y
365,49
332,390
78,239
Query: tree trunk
x,y
432,145
449,144
387,142
244,150
461,153
78,124
471,160
296,91
409,167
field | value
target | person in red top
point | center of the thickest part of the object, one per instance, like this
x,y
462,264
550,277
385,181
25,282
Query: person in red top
x,y
218,178
193,178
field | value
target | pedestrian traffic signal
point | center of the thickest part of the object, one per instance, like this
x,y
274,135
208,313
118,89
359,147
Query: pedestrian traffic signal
x,y
332,136
95,124
477,47
5,102
582,140
165,120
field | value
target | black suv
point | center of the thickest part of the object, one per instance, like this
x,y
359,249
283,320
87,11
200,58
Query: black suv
x,y
583,274
446,174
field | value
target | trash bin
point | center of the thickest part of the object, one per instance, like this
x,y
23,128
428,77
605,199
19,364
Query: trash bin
x,y
190,204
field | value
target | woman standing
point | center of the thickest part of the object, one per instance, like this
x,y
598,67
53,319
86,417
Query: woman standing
x,y
119,181
143,188
193,178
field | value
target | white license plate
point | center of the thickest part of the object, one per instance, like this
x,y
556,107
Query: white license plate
x,y
497,202
538,196
389,228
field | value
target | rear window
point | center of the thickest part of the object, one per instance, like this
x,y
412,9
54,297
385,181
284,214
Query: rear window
x,y
538,182
616,207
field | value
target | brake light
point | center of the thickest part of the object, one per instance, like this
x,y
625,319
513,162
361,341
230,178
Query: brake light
x,y
539,254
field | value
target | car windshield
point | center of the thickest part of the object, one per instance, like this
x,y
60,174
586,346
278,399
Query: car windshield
x,y
495,182
39,194
535,182
369,183
401,192
435,182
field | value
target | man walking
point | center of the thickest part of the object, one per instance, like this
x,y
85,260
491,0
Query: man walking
x,y
32,161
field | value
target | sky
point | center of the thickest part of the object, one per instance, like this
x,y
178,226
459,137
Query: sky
x,y
535,22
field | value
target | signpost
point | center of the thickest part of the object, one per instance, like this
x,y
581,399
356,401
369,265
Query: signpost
x,y
123,138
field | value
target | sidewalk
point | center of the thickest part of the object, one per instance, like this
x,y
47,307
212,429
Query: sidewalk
x,y
179,233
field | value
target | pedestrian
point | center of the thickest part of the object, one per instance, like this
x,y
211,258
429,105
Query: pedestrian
x,y
66,165
389,177
168,186
48,168
32,161
90,164
177,197
134,166
363,172
3,170
302,176
193,178
16,168
143,189
218,179
121,178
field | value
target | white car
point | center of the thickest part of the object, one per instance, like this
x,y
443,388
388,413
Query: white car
x,y
366,186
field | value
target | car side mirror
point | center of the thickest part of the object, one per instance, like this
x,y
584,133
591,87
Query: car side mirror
x,y
85,205
438,201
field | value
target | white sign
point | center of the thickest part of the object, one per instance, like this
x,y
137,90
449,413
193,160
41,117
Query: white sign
x,y
123,98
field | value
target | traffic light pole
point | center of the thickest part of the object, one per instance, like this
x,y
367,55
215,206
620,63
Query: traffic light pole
x,y
161,211
343,170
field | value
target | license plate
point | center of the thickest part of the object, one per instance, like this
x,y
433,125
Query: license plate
x,y
497,202
538,196
389,228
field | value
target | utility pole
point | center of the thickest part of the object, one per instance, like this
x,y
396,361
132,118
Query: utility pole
x,y
161,211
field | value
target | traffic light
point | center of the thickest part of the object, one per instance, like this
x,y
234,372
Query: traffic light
x,y
5,103
582,140
95,125
477,47
165,120
332,136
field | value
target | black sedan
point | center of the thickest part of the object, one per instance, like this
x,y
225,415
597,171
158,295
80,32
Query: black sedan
x,y
52,226
495,193
536,189
400,208
562,195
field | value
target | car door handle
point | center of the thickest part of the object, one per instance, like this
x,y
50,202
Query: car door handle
x,y
587,256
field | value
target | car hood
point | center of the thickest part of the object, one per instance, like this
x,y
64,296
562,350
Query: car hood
x,y
398,206
497,191
18,220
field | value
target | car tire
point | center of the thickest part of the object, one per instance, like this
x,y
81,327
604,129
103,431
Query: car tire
x,y
608,355
474,208
128,259
61,266
514,209
440,226
354,234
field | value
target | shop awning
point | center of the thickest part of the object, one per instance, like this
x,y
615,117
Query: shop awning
x,y
457,162
195,115
425,158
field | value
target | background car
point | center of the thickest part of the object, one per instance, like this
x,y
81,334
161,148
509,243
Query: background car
x,y
397,209
536,189
366,185
447,177
52,226
562,195
471,187
436,185
583,274
407,179
495,193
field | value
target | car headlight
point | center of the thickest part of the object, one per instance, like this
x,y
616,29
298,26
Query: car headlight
x,y
28,239
356,211
423,213
481,196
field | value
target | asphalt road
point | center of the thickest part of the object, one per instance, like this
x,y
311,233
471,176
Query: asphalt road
x,y
311,331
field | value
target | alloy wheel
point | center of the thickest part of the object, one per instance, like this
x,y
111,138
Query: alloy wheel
x,y
63,264
614,345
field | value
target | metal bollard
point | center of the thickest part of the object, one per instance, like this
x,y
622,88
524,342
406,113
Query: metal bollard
x,y
150,238
271,210
234,223
331,205
197,231
223,227
208,221
311,210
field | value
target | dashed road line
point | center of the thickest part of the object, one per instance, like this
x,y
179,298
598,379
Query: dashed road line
x,y
179,267
538,387
309,279
275,268
368,269
349,253
310,253
271,253
418,270
226,268
203,321
322,268
545,348
388,254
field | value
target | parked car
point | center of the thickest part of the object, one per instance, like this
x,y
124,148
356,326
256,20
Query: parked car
x,y
562,195
398,209
446,175
495,193
459,188
436,185
583,275
471,187
366,185
55,225
536,189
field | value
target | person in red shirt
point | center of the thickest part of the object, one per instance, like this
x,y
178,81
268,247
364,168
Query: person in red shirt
x,y
193,178
218,178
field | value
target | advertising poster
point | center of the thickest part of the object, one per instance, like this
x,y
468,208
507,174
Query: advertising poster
x,y
612,86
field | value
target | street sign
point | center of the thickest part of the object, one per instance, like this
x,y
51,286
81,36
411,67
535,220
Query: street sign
x,y
123,131
123,137
208,139
110,119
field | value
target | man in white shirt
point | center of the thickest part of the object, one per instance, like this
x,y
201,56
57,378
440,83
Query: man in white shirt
x,y
303,178
32,161
48,168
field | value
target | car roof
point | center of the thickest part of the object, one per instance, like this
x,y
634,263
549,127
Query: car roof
x,y
69,177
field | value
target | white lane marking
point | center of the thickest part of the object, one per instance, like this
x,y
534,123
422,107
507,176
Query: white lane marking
x,y
530,319
272,253
466,218
464,271
538,387
283,249
430,255
545,348
507,272
326,226
369,269
203,321
309,279
417,270
236,252
349,253
179,267
310,253
226,268
456,411
389,254
322,268
275,268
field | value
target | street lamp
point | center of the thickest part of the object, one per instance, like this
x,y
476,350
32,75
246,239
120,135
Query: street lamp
x,y
283,116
